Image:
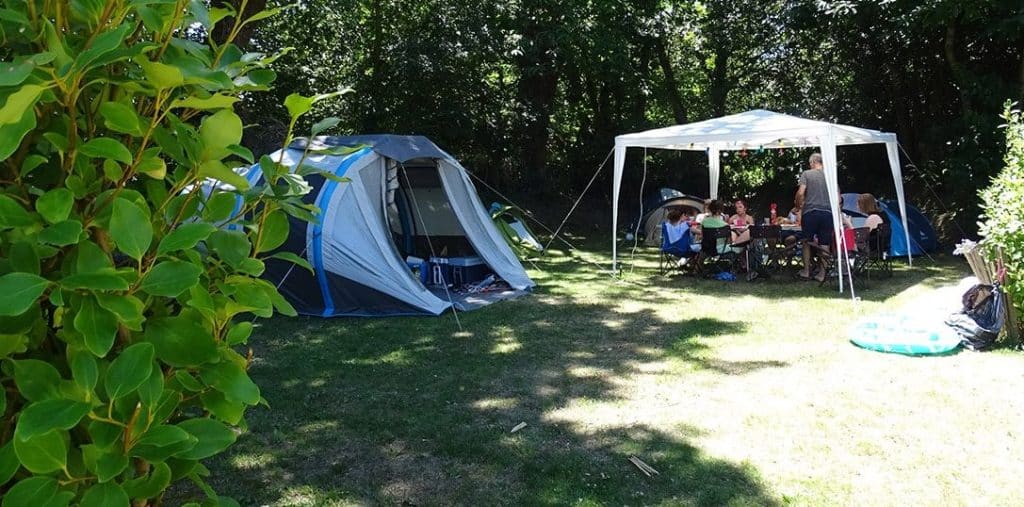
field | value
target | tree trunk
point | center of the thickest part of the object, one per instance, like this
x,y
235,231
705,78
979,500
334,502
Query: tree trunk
x,y
956,67
223,29
720,86
671,85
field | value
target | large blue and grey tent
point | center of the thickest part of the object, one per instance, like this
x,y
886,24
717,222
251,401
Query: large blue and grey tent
x,y
921,233
404,198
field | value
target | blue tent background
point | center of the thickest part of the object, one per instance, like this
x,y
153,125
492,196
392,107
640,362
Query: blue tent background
x,y
922,234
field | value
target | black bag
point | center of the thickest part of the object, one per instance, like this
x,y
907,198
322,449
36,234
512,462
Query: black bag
x,y
982,317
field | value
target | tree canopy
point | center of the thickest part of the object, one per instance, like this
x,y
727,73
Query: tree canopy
x,y
530,93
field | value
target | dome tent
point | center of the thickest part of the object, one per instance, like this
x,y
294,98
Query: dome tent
x,y
656,208
404,197
922,236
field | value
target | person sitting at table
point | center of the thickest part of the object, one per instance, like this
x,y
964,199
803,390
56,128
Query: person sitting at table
x,y
715,220
793,218
741,217
869,206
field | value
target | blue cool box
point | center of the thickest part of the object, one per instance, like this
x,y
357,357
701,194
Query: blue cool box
x,y
454,270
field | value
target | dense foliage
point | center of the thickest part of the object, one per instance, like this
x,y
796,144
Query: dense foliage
x,y
1002,223
125,289
530,93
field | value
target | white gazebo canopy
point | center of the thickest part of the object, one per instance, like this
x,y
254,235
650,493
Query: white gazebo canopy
x,y
754,130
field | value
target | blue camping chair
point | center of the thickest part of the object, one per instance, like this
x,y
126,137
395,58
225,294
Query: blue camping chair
x,y
671,253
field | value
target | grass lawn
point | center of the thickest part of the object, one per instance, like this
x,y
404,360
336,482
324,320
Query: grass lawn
x,y
737,393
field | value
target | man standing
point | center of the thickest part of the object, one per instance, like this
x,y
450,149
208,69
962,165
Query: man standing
x,y
816,220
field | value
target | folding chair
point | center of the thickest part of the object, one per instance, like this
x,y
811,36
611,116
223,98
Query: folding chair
x,y
848,259
879,241
766,251
716,254
672,253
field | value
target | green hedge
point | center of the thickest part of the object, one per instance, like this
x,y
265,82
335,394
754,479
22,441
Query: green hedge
x,y
125,301
1002,220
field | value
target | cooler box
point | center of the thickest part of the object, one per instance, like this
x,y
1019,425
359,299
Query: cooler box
x,y
456,270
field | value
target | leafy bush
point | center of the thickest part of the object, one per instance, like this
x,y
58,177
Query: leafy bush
x,y
1002,221
121,280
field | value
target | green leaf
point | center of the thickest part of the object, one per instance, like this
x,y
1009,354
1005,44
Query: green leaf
x,y
151,390
12,74
215,169
231,246
239,333
325,124
130,228
30,492
171,278
107,279
219,207
31,162
295,259
54,414
98,327
218,131
36,380
63,233
180,341
9,463
230,378
105,147
42,454
163,441
55,205
152,166
19,102
298,105
214,436
90,258
11,134
188,381
105,463
121,118
105,435
19,291
161,76
186,236
274,232
84,369
126,307
101,45
129,370
106,494
217,404
12,214
216,101
156,482
24,258
12,344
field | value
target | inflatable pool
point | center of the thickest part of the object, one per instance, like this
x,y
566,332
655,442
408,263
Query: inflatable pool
x,y
904,334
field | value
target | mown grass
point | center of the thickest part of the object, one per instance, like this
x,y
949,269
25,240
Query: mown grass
x,y
737,393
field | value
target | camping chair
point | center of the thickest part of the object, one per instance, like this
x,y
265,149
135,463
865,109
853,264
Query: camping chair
x,y
672,253
848,258
767,251
879,241
716,254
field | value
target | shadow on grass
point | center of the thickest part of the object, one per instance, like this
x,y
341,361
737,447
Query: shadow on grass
x,y
412,411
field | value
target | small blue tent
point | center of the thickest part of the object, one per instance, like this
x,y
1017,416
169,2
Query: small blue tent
x,y
922,235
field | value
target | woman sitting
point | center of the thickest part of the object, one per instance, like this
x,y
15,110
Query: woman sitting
x,y
677,239
741,217
714,220
869,206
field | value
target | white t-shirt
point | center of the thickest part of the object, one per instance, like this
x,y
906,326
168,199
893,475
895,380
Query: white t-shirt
x,y
873,221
